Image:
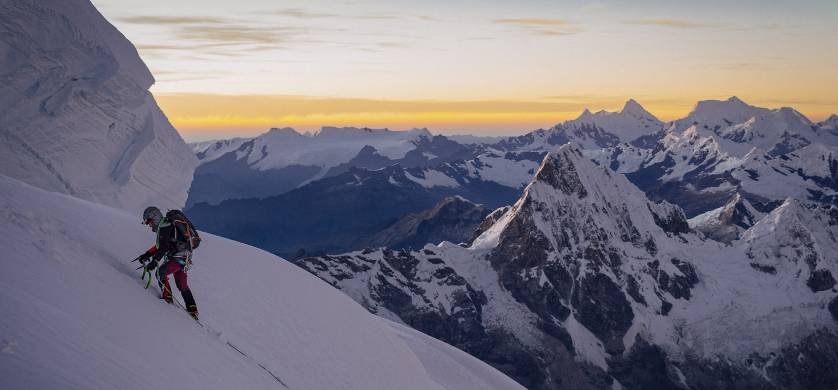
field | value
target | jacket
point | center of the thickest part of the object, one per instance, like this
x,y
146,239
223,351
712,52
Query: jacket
x,y
167,244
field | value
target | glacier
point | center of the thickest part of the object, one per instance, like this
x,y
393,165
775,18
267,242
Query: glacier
x,y
76,115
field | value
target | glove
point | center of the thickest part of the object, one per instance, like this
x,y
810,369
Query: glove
x,y
144,257
152,264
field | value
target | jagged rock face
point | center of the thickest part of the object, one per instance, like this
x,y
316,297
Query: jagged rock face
x,y
669,217
561,254
570,247
76,113
600,287
452,219
795,239
421,290
726,223
488,221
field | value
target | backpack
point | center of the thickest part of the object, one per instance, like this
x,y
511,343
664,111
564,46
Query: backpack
x,y
186,235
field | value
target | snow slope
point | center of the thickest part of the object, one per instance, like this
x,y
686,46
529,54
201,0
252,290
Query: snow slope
x,y
75,112
75,315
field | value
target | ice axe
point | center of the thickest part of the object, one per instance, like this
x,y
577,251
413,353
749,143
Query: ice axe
x,y
145,271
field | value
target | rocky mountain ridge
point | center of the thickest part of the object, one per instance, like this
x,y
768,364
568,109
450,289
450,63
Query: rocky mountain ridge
x,y
596,286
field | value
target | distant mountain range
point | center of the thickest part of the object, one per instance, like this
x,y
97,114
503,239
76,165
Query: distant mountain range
x,y
720,151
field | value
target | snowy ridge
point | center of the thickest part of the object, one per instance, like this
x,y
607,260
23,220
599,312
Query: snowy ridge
x,y
629,124
700,161
727,222
796,231
603,129
281,160
256,331
331,146
807,173
739,127
451,219
696,172
719,113
76,112
830,123
207,151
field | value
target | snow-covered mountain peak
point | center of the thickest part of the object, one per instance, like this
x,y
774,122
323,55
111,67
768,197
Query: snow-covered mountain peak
x,y
830,123
351,132
719,112
725,223
605,127
739,127
735,100
571,192
789,114
690,142
283,132
633,108
691,134
560,170
283,147
797,240
778,223
568,175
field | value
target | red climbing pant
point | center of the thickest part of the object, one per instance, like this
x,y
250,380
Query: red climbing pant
x,y
171,267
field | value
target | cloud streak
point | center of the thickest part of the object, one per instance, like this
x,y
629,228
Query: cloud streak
x,y
302,13
233,34
541,26
683,24
533,22
204,35
171,20
673,23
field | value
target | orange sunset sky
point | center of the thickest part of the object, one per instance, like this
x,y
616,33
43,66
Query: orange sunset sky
x,y
228,69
